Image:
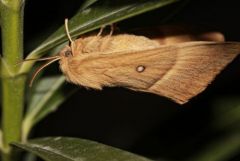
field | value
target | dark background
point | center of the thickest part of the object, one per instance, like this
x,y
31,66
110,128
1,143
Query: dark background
x,y
139,122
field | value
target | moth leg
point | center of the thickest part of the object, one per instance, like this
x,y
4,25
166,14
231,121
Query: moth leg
x,y
100,31
111,30
105,43
91,45
112,27
97,37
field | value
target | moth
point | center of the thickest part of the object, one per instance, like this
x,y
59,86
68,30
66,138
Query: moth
x,y
177,71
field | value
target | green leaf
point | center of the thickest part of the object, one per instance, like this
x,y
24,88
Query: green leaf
x,y
74,149
46,98
99,14
103,13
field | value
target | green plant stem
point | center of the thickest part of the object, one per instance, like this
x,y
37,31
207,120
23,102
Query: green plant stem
x,y
12,84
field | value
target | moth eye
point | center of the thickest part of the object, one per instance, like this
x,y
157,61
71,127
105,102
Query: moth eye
x,y
140,68
68,53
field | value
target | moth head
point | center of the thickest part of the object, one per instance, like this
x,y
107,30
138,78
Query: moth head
x,y
66,55
63,56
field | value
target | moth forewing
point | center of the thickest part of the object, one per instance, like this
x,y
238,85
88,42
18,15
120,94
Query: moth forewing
x,y
119,68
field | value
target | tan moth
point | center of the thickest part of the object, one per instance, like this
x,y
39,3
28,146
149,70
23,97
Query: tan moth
x,y
177,71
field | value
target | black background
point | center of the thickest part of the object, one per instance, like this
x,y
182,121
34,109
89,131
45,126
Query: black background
x,y
142,123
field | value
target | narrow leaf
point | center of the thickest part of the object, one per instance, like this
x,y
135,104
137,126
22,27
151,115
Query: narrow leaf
x,y
74,149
